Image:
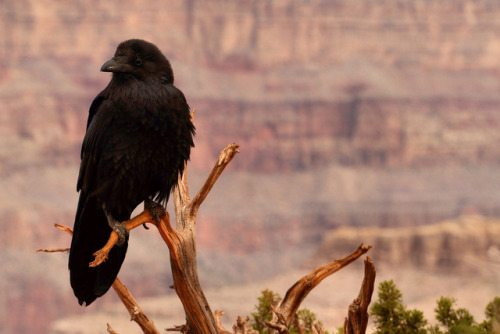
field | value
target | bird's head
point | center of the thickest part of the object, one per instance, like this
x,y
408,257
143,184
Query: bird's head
x,y
140,59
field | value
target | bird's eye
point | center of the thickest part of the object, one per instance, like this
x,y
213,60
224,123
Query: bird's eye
x,y
138,62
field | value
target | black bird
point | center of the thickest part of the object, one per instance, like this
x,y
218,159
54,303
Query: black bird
x,y
139,136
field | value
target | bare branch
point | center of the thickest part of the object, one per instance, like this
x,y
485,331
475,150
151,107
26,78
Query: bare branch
x,y
136,313
299,291
55,250
218,323
279,327
64,228
225,157
52,250
111,330
181,199
357,319
281,318
182,247
182,329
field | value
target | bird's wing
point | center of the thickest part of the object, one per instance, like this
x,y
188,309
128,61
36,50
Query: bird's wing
x,y
178,131
95,106
92,142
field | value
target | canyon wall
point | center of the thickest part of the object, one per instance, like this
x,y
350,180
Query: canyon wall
x,y
469,244
377,113
363,84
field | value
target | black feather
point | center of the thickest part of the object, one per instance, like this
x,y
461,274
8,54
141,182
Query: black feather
x,y
139,136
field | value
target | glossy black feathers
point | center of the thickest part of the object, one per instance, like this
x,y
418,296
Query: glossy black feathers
x,y
139,135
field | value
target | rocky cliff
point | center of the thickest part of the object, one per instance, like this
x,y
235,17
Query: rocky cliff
x,y
308,83
468,244
347,113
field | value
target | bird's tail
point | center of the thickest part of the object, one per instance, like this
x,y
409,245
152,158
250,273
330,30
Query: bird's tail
x,y
91,232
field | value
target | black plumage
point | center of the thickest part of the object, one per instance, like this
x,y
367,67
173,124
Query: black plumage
x,y
139,136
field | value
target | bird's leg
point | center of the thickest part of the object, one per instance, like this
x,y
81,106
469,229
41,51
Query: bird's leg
x,y
120,229
156,210
153,212
118,236
102,254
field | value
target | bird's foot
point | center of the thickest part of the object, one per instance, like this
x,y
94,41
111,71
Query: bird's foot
x,y
156,210
99,257
120,229
102,254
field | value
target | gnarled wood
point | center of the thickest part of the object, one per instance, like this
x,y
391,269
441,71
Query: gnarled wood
x,y
285,313
357,319
136,313
218,323
182,246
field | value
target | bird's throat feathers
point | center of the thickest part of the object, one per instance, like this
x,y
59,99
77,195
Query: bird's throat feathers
x,y
132,90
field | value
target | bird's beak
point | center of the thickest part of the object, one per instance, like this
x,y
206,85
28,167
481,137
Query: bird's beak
x,y
115,64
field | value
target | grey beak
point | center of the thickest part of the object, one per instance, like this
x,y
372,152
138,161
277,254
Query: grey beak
x,y
115,64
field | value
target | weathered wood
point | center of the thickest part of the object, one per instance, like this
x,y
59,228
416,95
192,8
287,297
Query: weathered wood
x,y
111,330
285,313
357,319
243,327
182,247
218,322
136,313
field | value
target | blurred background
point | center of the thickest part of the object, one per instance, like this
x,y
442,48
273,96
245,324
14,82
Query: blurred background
x,y
373,122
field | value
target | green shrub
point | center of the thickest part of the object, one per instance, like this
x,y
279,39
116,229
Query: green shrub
x,y
391,316
306,318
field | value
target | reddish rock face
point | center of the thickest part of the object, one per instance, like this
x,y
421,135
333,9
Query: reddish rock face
x,y
298,85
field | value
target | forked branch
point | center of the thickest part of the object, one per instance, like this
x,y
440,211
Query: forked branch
x,y
187,209
285,313
182,246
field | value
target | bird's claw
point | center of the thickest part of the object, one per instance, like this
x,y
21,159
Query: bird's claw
x,y
156,209
99,257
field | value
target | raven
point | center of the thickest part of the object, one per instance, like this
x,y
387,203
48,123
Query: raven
x,y
139,136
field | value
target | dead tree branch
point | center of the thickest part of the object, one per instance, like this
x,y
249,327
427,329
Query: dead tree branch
x,y
182,246
136,313
111,330
285,313
55,250
243,327
52,250
357,319
218,323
